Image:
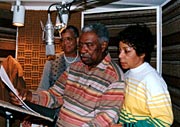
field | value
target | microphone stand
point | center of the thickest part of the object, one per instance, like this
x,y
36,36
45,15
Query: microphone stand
x,y
8,119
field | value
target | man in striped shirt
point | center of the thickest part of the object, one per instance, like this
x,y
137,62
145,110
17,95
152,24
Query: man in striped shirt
x,y
90,91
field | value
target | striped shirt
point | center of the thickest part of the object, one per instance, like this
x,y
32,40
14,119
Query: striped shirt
x,y
147,100
88,97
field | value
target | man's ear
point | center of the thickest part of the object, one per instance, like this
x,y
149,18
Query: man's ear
x,y
104,46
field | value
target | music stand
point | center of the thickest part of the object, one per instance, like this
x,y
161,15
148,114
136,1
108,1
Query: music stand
x,y
11,111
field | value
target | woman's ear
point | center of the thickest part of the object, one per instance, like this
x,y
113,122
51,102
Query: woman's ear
x,y
104,46
142,55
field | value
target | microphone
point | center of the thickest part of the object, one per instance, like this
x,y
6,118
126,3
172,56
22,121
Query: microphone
x,y
49,37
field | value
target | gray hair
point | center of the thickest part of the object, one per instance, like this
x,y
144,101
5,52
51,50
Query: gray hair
x,y
99,29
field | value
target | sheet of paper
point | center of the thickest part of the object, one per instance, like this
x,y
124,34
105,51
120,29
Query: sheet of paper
x,y
6,80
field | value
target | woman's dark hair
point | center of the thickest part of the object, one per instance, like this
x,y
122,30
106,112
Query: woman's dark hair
x,y
140,38
73,28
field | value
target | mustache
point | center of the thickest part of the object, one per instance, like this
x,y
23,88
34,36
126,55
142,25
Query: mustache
x,y
85,55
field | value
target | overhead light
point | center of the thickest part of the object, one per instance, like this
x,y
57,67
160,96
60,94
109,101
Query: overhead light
x,y
18,14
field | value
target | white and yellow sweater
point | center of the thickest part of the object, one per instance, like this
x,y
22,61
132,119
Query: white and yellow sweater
x,y
147,100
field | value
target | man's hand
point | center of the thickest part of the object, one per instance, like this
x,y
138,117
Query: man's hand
x,y
24,94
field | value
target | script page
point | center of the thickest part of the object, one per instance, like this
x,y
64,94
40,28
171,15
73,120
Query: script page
x,y
6,80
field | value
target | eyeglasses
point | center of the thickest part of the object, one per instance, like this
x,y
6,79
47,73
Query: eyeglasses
x,y
67,39
89,45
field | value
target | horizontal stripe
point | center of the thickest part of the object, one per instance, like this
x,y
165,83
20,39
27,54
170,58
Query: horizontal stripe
x,y
90,97
147,100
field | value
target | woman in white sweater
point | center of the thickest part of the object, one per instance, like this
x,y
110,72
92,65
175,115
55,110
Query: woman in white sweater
x,y
147,100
